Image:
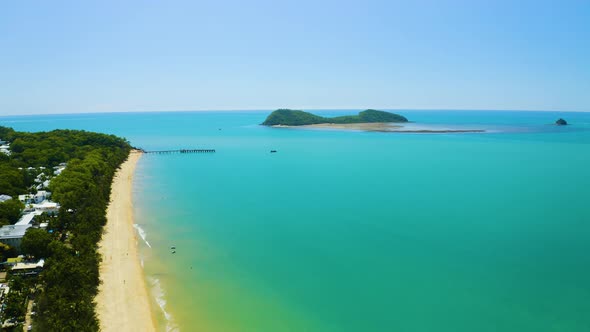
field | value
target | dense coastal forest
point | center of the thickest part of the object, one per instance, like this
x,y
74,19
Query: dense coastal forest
x,y
287,117
66,288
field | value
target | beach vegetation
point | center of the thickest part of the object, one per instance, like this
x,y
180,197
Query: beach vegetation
x,y
36,242
69,281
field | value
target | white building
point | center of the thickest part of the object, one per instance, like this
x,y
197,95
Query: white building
x,y
39,197
4,198
26,268
43,185
58,169
48,207
28,218
42,195
27,198
12,235
5,148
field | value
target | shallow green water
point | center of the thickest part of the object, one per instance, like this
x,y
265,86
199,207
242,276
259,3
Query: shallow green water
x,y
354,231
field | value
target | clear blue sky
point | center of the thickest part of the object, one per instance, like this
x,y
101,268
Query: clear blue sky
x,y
102,56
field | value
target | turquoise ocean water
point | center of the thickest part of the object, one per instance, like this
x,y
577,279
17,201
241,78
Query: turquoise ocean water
x,y
357,231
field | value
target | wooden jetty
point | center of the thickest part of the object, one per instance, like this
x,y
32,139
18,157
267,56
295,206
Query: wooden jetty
x,y
180,151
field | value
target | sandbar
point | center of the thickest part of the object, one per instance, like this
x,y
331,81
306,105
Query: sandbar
x,y
384,127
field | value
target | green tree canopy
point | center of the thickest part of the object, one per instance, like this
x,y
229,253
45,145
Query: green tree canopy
x,y
70,278
6,251
289,117
10,211
36,243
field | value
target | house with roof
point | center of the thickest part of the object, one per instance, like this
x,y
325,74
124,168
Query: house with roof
x,y
28,268
48,207
58,169
28,218
12,235
5,148
43,185
37,198
27,198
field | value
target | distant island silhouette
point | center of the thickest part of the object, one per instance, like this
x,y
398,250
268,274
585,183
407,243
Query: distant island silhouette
x,y
288,117
368,120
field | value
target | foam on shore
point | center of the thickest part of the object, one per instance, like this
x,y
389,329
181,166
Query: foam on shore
x,y
159,295
142,234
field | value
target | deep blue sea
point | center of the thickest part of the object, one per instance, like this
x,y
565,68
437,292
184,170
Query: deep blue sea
x,y
360,231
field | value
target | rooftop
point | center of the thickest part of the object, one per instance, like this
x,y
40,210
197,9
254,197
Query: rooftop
x,y
46,204
13,231
27,218
42,193
28,266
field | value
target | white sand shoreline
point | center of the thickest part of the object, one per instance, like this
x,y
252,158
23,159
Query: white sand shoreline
x,y
123,302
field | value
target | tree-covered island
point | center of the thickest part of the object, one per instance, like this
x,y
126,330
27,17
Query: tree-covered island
x,y
288,117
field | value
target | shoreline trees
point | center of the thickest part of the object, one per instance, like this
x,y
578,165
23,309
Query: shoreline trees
x,y
70,279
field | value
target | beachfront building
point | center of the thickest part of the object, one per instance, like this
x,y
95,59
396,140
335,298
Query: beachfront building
x,y
28,268
4,198
12,235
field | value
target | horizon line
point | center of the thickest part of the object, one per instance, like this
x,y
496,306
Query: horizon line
x,y
299,108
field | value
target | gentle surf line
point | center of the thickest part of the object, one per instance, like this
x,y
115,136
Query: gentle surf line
x,y
142,234
159,295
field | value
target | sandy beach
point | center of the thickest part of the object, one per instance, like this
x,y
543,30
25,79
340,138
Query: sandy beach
x,y
122,302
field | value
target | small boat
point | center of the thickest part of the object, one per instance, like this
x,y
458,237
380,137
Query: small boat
x,y
173,247
173,251
273,151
